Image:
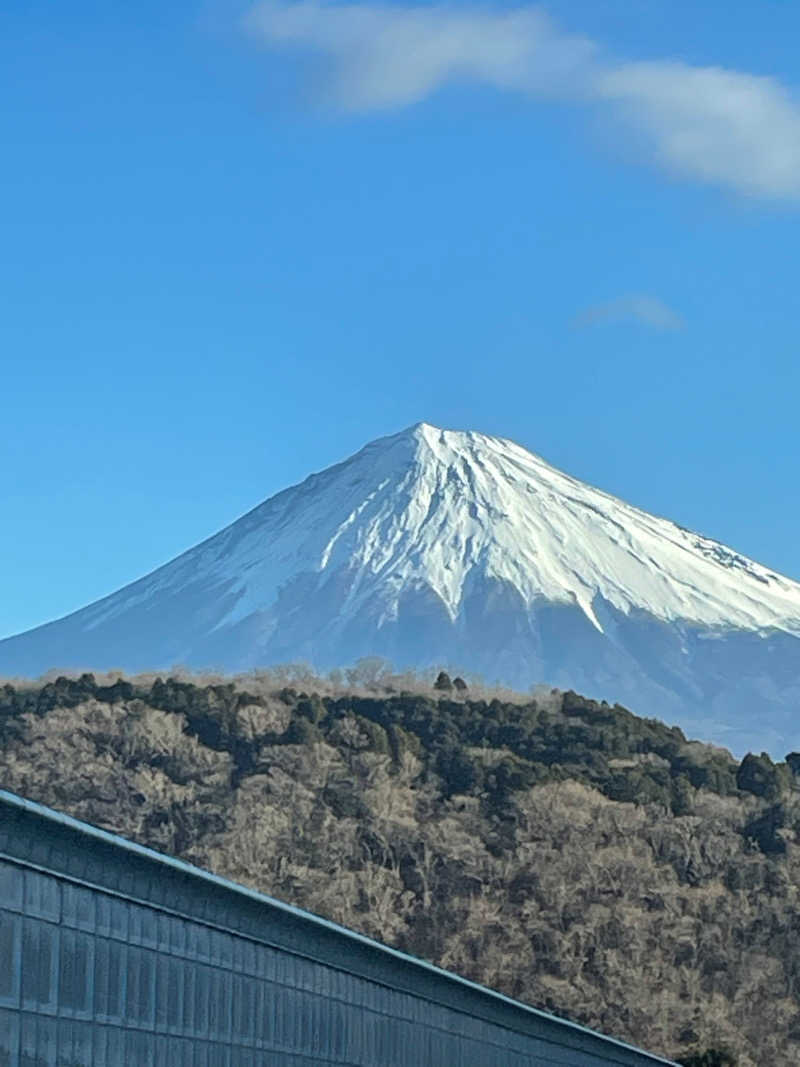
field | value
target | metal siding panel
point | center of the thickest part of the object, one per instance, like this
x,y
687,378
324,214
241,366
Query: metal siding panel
x,y
77,907
247,955
112,1045
109,980
251,999
75,973
221,1002
39,962
202,993
27,1040
200,943
265,962
11,887
335,1023
47,1042
10,957
176,984
42,896
82,1043
9,1038
142,997
267,1018
283,1019
118,919
223,949
178,936
138,1048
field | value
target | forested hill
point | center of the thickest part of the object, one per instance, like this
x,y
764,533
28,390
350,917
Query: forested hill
x,y
575,856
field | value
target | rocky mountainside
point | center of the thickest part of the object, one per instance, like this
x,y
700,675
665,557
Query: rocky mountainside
x,y
454,548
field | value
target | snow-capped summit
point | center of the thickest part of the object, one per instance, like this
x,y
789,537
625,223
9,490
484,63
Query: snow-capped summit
x,y
438,546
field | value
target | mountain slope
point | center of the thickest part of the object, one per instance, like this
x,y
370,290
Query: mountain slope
x,y
440,546
566,853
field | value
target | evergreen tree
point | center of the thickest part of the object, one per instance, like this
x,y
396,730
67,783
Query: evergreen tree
x,y
443,682
758,775
710,1058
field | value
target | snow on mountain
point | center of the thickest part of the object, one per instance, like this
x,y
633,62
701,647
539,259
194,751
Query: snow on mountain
x,y
435,546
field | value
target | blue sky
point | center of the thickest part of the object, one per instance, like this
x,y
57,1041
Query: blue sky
x,y
239,241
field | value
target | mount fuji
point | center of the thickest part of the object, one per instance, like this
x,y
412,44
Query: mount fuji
x,y
436,547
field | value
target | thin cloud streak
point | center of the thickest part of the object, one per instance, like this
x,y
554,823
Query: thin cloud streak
x,y
636,307
709,124
391,56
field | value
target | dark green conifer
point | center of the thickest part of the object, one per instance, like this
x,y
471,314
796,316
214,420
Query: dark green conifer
x,y
443,682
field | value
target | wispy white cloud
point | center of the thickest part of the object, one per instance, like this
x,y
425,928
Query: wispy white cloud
x,y
720,126
636,307
388,56
710,124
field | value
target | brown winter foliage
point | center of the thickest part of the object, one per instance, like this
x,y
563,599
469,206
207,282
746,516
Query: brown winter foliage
x,y
564,852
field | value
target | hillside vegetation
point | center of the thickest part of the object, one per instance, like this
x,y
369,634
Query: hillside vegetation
x,y
568,853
